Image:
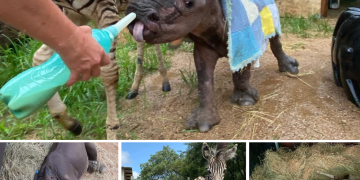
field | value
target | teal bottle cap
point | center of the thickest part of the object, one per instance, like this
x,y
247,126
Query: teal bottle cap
x,y
115,29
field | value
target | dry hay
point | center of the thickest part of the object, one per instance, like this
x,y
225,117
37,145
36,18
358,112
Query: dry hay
x,y
21,161
301,164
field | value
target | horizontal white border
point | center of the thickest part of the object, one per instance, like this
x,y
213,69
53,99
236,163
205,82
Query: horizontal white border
x,y
179,141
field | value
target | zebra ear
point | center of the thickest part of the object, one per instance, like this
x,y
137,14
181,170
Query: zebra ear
x,y
230,153
206,151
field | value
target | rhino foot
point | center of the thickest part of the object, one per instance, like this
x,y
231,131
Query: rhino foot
x,y
203,118
102,168
95,166
289,64
246,97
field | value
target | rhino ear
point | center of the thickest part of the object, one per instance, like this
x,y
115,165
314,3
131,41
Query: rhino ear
x,y
230,153
206,151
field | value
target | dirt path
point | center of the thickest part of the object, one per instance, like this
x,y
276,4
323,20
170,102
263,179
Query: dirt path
x,y
309,108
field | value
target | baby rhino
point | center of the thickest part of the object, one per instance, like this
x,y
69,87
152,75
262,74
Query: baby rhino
x,y
203,21
69,161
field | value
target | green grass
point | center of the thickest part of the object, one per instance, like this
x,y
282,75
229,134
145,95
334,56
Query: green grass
x,y
305,27
187,47
190,79
86,101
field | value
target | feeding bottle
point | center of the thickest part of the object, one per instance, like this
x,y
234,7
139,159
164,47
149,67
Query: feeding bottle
x,y
31,89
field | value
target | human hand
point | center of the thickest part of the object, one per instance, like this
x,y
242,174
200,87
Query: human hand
x,y
82,55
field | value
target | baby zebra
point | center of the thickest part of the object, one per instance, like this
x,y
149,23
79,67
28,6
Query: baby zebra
x,y
217,158
104,13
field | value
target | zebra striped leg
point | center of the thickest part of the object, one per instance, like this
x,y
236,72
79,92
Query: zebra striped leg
x,y
58,109
138,73
110,77
163,72
106,14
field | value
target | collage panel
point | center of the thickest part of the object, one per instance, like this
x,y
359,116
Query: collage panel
x,y
59,161
304,160
145,70
297,79
183,161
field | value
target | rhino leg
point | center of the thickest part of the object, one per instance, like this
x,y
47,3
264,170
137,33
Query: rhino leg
x,y
94,165
286,63
243,94
205,116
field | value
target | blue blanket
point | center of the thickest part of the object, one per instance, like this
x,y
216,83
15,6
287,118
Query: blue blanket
x,y
251,23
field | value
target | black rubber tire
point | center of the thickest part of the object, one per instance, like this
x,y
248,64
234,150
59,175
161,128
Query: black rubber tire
x,y
336,74
343,78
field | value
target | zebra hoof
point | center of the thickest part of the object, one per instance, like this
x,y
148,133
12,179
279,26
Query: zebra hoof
x,y
76,129
131,95
166,87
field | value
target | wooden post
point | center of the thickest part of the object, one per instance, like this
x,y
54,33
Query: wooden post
x,y
324,8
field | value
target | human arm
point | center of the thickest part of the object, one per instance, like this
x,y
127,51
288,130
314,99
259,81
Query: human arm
x,y
44,21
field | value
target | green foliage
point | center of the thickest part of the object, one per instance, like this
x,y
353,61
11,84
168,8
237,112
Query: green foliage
x,y
236,168
193,164
189,78
160,166
188,47
305,27
84,97
86,101
16,58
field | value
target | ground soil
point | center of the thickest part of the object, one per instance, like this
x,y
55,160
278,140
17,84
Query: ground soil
x,y
310,107
108,155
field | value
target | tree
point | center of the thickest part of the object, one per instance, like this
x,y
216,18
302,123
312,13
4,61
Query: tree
x,y
161,166
193,164
236,168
